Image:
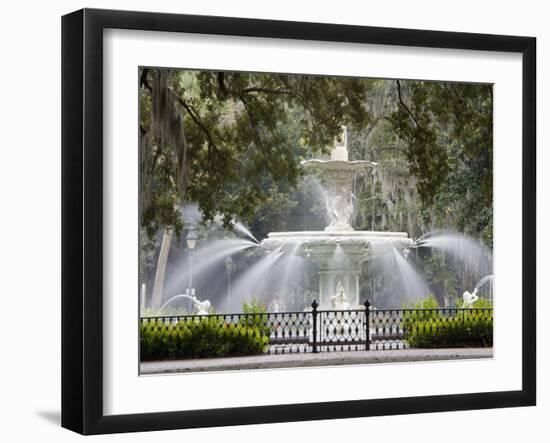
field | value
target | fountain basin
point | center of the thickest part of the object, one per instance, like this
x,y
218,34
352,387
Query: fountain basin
x,y
317,245
339,168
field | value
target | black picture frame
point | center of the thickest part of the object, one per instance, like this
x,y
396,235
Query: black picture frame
x,y
82,219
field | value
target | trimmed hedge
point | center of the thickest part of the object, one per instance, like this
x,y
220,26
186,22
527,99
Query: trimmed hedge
x,y
200,338
467,329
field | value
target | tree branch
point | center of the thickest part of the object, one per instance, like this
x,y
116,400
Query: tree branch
x,y
402,103
457,95
221,83
156,155
195,117
265,90
251,122
143,79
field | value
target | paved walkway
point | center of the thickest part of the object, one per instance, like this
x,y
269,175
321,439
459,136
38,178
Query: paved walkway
x,y
309,359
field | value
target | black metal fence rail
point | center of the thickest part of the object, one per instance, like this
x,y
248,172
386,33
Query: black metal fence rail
x,y
342,331
315,330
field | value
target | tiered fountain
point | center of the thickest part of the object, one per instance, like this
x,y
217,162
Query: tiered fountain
x,y
339,250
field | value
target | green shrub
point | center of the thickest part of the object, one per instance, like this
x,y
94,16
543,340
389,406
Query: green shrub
x,y
425,325
428,302
200,338
254,306
424,310
462,329
256,317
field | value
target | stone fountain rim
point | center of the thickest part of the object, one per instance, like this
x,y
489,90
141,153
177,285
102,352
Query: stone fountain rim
x,y
339,164
336,234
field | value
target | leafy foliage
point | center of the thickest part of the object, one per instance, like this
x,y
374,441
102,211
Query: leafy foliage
x,y
257,316
428,302
466,329
427,157
232,142
426,326
218,138
440,277
254,306
447,128
199,338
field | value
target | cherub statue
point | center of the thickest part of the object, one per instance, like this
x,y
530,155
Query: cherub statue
x,y
339,300
469,298
202,307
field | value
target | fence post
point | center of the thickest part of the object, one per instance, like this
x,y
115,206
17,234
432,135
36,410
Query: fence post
x,y
367,325
314,305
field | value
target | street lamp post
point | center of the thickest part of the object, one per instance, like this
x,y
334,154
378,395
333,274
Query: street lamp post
x,y
191,240
229,263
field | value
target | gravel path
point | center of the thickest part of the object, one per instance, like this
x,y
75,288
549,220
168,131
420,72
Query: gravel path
x,y
309,359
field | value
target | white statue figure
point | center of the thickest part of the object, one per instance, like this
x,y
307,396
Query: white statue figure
x,y
339,300
340,150
275,305
339,210
202,307
469,298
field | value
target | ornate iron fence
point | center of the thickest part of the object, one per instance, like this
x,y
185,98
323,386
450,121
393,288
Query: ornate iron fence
x,y
217,335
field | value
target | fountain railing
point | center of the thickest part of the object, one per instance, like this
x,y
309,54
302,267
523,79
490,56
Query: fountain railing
x,y
327,330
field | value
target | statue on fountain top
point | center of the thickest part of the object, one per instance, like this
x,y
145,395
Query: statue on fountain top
x,y
469,298
339,301
337,175
340,150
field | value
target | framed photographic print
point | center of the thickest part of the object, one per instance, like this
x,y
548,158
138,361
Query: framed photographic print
x,y
269,221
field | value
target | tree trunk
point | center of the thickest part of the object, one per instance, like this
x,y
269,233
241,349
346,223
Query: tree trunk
x,y
161,269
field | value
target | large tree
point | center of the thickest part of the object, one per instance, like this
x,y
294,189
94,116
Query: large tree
x,y
433,144
448,129
216,138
